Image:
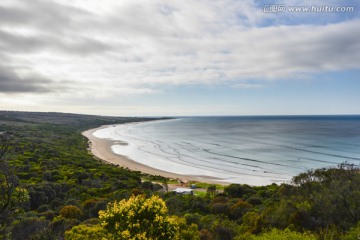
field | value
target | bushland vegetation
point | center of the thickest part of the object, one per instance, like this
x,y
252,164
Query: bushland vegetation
x,y
51,187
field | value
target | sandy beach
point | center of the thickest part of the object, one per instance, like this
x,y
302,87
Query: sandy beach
x,y
101,148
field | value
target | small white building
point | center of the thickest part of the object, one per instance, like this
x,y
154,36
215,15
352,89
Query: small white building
x,y
188,191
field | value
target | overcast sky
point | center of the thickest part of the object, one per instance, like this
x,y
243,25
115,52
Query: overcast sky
x,y
179,57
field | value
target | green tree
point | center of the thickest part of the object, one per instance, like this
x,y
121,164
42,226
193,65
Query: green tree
x,y
31,228
353,233
187,232
239,209
165,184
12,196
139,218
211,191
276,234
71,212
332,196
238,190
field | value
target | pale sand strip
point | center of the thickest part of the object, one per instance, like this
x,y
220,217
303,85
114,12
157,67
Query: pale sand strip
x,y
101,148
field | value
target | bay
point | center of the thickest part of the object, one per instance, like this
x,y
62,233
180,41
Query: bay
x,y
256,150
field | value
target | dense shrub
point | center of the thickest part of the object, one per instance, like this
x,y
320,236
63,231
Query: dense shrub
x,y
276,234
28,228
71,212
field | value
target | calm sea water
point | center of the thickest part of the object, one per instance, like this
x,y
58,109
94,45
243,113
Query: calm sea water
x,y
252,150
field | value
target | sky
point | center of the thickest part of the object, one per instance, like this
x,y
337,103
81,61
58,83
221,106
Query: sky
x,y
180,57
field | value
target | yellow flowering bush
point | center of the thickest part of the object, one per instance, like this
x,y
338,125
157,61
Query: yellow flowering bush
x,y
139,218
84,232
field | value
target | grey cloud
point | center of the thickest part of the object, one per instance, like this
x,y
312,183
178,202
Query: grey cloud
x,y
12,43
83,46
16,43
325,48
51,26
11,16
44,15
10,82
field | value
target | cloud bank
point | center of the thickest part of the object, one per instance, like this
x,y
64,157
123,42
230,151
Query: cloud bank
x,y
136,47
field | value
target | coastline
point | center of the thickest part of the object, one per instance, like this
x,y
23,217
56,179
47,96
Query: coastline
x,y
101,148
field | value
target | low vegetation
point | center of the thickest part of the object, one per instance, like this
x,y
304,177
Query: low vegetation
x,y
51,187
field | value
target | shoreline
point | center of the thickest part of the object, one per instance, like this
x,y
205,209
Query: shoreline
x,y
101,148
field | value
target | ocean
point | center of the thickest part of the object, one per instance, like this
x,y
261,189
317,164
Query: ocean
x,y
255,150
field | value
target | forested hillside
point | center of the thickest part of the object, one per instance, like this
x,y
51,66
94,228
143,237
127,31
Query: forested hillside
x,y
51,187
